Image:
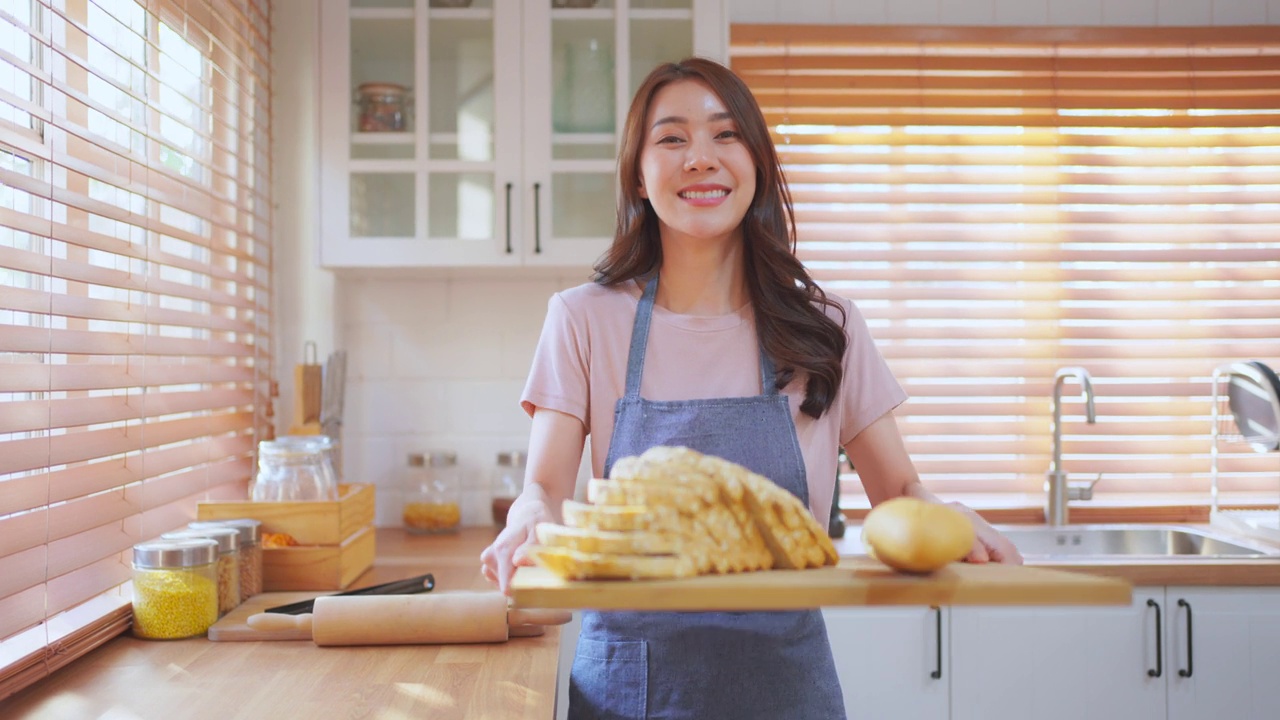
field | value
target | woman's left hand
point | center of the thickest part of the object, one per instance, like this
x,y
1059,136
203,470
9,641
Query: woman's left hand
x,y
988,544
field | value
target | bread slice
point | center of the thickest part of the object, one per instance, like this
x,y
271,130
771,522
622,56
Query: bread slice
x,y
576,565
607,542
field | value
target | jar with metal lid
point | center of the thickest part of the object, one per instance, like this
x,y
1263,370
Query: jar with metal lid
x,y
175,588
228,563
291,472
250,551
432,494
383,107
508,482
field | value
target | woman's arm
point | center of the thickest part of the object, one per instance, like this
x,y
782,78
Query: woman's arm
x,y
551,472
886,472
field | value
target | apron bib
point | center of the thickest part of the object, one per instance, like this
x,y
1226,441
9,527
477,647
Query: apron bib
x,y
705,665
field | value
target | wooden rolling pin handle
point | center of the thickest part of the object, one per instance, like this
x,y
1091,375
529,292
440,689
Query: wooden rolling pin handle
x,y
424,619
538,617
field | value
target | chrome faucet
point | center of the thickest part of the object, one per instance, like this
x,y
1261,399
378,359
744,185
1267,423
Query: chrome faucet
x,y
1057,487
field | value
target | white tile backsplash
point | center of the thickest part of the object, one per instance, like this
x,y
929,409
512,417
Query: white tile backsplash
x,y
1131,12
913,12
1075,12
858,12
1185,12
439,363
1022,12
1239,12
966,12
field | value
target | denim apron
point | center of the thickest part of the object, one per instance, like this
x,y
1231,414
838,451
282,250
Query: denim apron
x,y
705,665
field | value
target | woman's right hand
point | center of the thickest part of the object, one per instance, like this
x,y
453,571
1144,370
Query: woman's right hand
x,y
509,551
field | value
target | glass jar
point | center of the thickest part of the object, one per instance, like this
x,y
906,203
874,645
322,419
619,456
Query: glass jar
x,y
289,472
228,563
250,551
326,448
383,107
432,494
175,588
508,481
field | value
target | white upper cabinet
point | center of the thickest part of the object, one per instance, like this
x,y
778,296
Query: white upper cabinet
x,y
484,132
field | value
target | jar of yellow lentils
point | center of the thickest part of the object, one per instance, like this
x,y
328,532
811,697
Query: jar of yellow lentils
x,y
432,494
175,588
228,564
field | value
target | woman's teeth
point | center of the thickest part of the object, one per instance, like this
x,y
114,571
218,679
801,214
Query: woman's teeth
x,y
698,195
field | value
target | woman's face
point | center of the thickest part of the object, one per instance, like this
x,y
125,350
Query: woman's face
x,y
694,168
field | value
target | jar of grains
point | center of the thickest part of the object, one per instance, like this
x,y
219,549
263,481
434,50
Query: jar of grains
x,y
432,495
250,551
175,588
228,563
508,481
383,107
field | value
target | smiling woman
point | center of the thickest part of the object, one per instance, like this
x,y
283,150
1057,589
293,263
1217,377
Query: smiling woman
x,y
134,316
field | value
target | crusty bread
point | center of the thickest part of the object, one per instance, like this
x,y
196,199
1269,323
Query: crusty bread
x,y
672,512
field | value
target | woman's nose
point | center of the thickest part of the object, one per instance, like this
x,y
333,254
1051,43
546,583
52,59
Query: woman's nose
x,y
700,155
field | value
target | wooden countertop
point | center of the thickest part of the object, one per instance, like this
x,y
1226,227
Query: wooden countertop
x,y
198,679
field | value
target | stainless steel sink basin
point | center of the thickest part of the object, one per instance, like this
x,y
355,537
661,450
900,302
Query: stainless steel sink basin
x,y
1100,541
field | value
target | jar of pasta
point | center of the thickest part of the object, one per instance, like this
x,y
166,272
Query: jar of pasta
x,y
228,562
250,551
508,481
432,493
175,588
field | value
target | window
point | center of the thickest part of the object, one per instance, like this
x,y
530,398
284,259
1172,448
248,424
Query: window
x,y
135,319
1002,202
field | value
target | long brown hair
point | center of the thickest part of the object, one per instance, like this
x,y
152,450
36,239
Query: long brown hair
x,y
793,329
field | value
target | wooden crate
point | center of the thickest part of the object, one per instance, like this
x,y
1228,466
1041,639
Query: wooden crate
x,y
318,567
310,523
336,540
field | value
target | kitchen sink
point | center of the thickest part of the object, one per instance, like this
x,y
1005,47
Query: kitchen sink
x,y
1098,541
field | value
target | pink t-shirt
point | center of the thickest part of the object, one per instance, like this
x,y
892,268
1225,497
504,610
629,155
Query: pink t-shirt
x,y
580,368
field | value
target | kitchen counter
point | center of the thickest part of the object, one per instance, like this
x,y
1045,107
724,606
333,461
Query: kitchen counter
x,y
197,679
194,679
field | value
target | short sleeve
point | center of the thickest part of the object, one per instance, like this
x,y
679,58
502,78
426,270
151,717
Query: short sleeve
x,y
558,379
869,389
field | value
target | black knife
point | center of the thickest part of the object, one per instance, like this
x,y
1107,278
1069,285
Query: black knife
x,y
408,586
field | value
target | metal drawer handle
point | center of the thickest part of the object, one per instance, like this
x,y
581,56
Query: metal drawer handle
x,y
1159,645
937,671
1186,673
537,218
508,218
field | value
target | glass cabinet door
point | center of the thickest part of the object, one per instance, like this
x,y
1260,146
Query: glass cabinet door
x,y
595,52
419,178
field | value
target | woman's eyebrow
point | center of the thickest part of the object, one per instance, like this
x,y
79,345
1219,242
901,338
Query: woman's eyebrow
x,y
678,120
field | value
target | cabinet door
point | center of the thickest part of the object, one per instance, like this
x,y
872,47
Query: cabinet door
x,y
415,164
582,66
1051,663
892,662
1223,653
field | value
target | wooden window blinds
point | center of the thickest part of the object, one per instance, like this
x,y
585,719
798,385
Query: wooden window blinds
x,y
135,260
1002,202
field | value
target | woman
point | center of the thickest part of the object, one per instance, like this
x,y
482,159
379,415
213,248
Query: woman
x,y
702,329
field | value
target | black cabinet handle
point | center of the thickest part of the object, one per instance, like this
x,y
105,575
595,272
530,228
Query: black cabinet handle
x,y
937,671
537,218
1159,644
1186,673
508,218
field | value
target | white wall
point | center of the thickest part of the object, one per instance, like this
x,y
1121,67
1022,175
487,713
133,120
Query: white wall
x,y
439,361
1009,12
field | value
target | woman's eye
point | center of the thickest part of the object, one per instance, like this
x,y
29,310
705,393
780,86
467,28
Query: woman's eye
x,y
668,139
728,135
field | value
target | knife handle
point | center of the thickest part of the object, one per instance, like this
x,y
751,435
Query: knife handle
x,y
275,621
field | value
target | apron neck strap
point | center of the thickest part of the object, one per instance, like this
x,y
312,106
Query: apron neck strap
x,y
640,343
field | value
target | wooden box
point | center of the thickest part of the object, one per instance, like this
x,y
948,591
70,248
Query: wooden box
x,y
335,538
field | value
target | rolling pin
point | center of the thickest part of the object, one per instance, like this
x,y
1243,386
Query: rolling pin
x,y
427,619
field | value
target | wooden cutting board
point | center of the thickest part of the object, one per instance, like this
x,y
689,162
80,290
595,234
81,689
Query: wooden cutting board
x,y
855,581
234,626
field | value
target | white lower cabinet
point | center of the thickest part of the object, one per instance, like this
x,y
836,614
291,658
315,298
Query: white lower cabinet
x,y
892,662
1176,653
1223,653
1059,663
